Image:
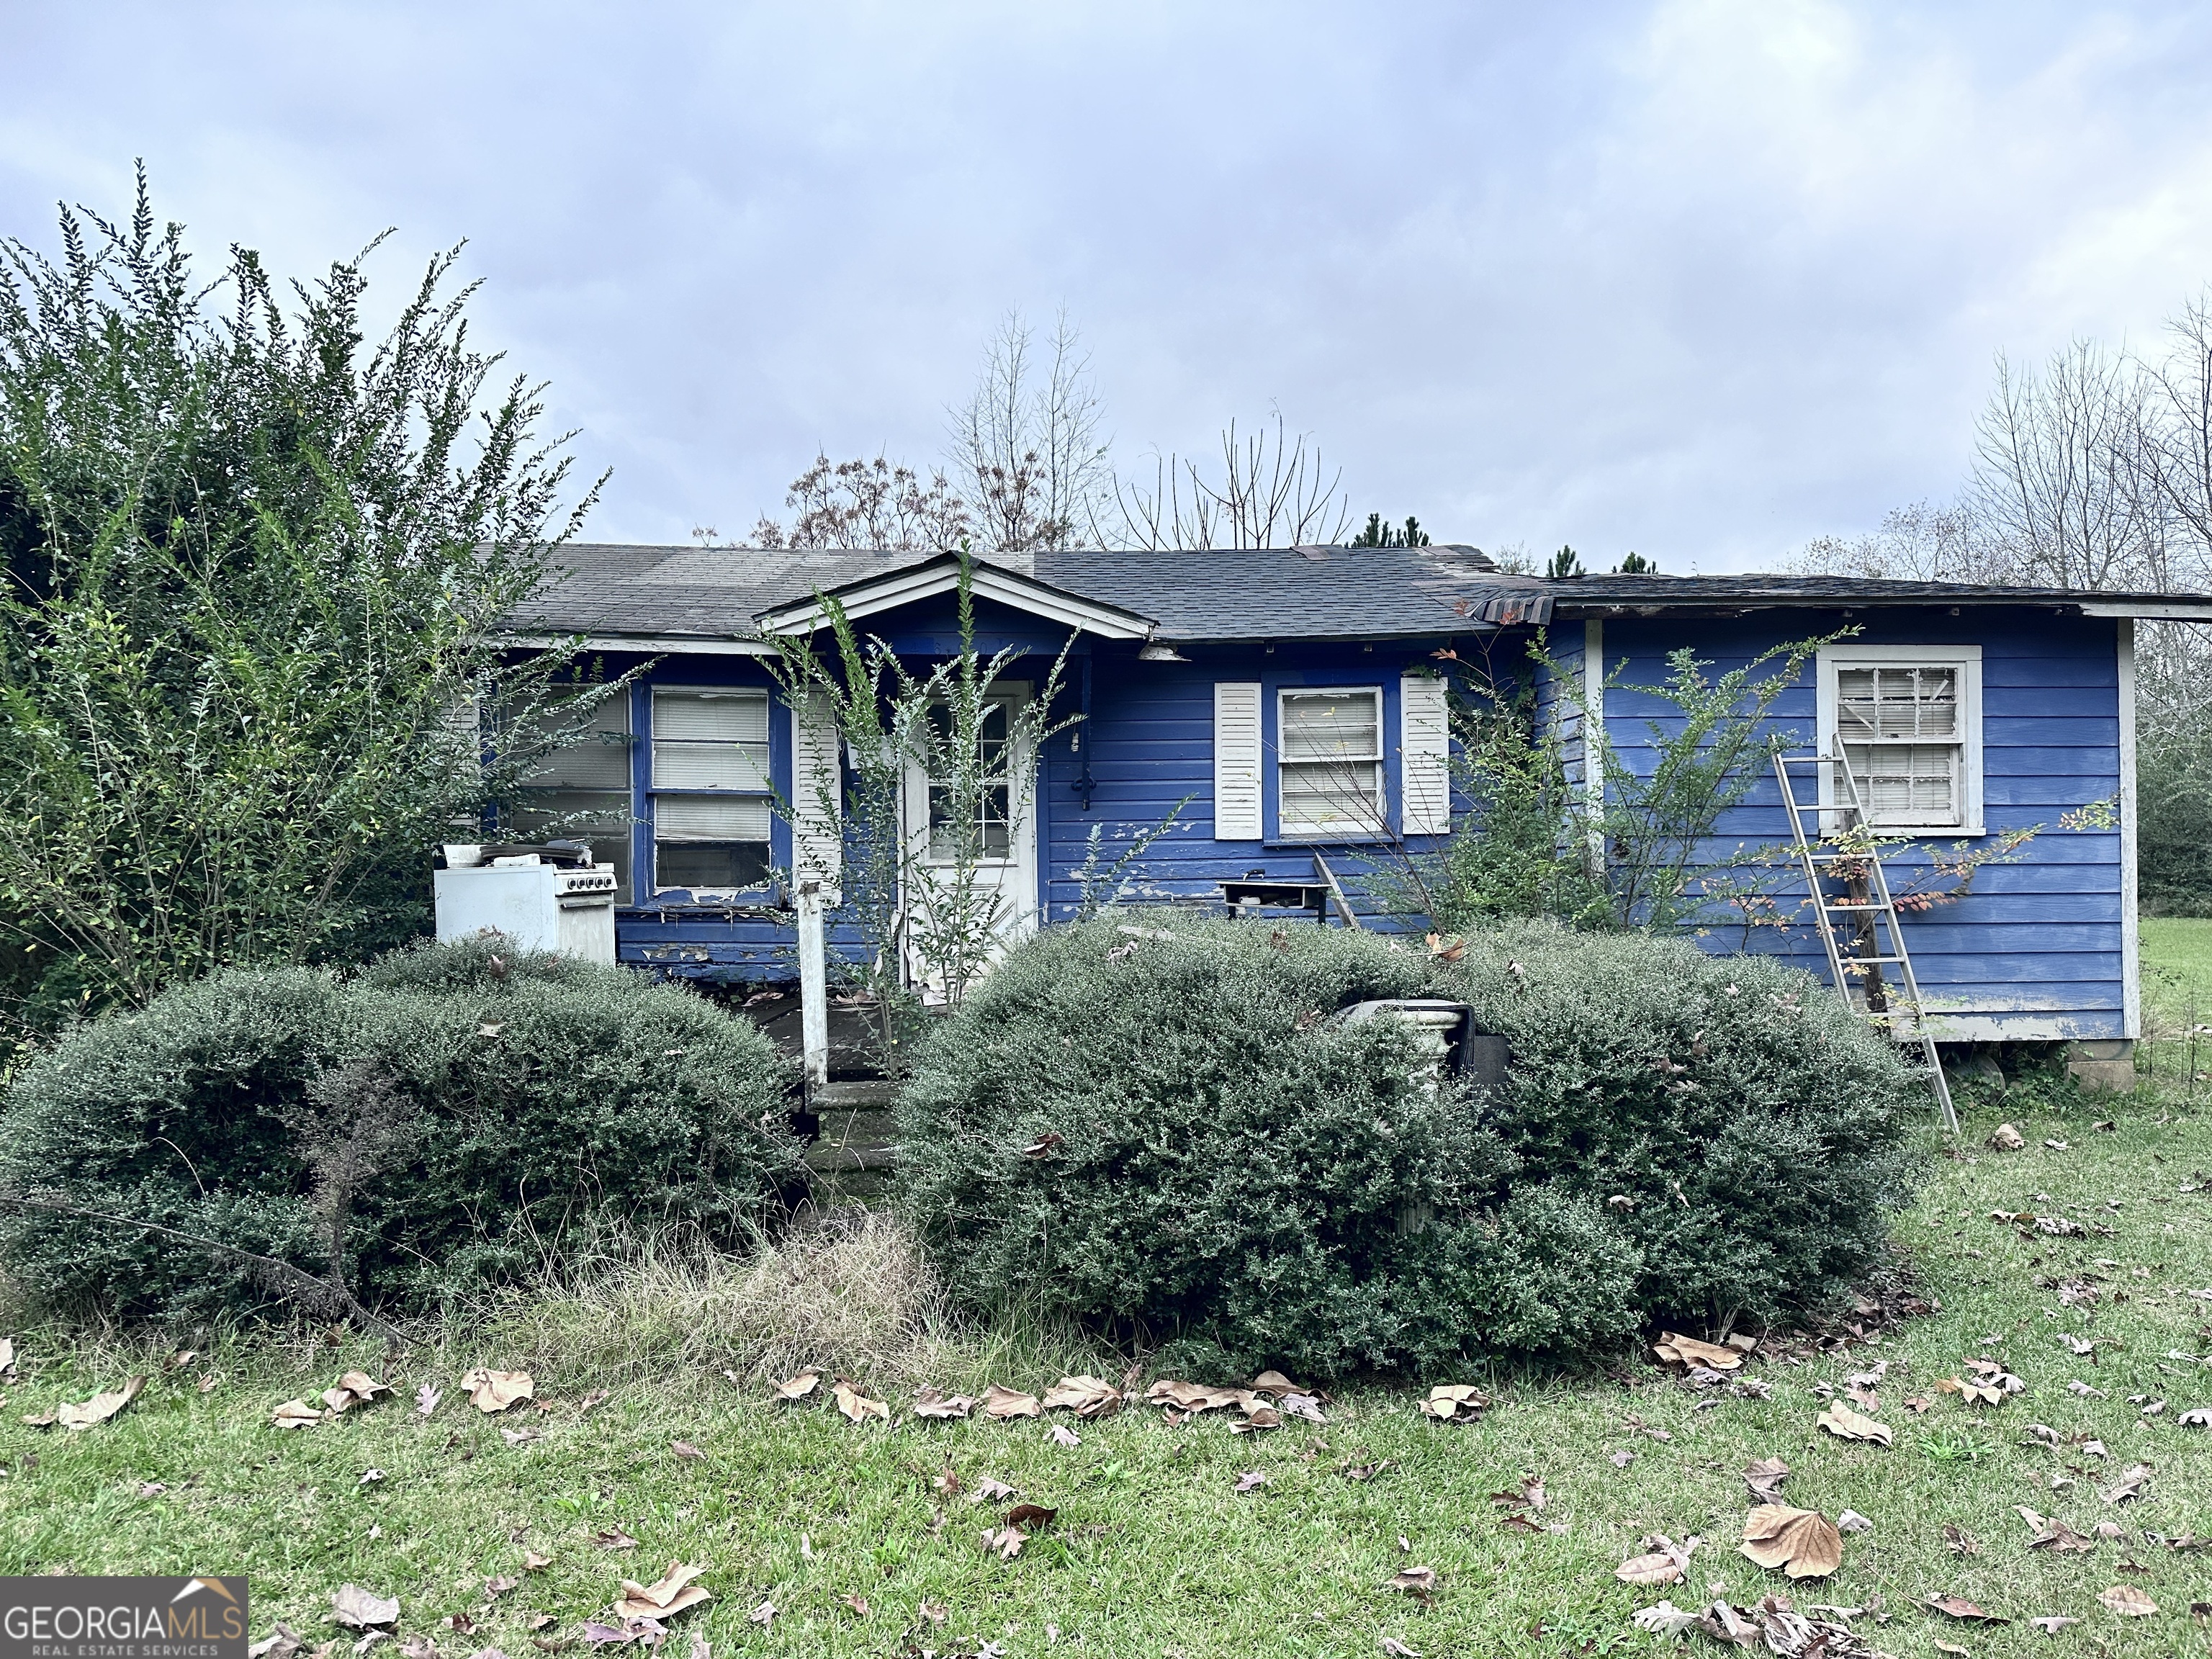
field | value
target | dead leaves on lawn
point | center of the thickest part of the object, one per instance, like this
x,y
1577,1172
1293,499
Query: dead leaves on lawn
x,y
931,1403
2055,1535
1662,1561
1765,1477
491,1391
2128,1601
2130,1484
856,1406
1691,1354
1957,1606
1086,1397
1802,1543
1846,1424
798,1387
1002,1404
69,1414
671,1593
360,1609
1455,1402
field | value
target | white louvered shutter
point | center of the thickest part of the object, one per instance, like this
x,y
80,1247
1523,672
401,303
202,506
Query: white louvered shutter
x,y
1236,760
817,788
1424,744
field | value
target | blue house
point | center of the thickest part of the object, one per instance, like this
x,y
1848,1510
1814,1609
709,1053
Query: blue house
x,y
1288,699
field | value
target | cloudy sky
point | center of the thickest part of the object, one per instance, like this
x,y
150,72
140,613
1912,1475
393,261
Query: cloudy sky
x,y
1704,278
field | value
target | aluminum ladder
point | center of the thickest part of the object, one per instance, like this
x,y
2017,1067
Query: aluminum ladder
x,y
1855,965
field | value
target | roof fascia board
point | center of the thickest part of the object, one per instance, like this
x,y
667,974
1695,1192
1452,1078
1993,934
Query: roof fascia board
x,y
701,645
873,595
2151,609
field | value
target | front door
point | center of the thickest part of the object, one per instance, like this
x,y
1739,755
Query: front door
x,y
972,890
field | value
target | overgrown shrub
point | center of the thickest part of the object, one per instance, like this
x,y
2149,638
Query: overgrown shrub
x,y
1744,1128
1171,1136
493,1108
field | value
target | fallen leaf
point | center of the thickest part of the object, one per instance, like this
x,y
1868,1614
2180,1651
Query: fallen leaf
x,y
1957,1606
936,1611
1363,1472
1394,1648
1259,1417
353,1606
1307,1406
2056,1535
1665,1619
615,1539
1973,1393
2130,1485
1035,1516
294,1414
1064,1435
931,1403
1251,1480
2128,1601
858,1604
98,1409
1418,1581
1045,1146
1852,1521
1960,1541
763,1615
150,1489
1005,1543
2051,1624
856,1406
1765,1477
1621,1459
1453,1403
2201,1418
521,1436
1001,1404
665,1598
990,1490
283,1643
354,1388
496,1588
684,1449
532,1561
1803,1543
1086,1397
1275,1382
490,1391
1193,1397
370,1478
1686,1351
798,1388
2007,1138
1662,1562
1846,1424
585,1407
426,1400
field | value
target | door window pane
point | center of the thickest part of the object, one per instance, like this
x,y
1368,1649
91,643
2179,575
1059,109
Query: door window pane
x,y
994,803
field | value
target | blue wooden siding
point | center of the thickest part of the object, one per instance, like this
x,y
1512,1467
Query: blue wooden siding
x,y
2035,947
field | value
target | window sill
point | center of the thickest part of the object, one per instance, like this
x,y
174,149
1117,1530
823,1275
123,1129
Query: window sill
x,y
1937,832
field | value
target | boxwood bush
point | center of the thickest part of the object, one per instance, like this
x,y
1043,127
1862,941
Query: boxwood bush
x,y
531,1101
1172,1136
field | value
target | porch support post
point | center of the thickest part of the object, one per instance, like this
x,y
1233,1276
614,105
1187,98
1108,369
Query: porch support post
x,y
813,985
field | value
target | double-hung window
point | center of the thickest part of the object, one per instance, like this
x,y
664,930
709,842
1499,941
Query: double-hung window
x,y
1907,720
580,790
711,796
1328,754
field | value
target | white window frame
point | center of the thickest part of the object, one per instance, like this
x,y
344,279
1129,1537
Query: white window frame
x,y
1967,660
657,792
1378,827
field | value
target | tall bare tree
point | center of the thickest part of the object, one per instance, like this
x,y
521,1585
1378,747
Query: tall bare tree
x,y
1026,447
877,504
1273,490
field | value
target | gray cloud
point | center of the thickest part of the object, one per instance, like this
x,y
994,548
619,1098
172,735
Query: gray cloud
x,y
1704,278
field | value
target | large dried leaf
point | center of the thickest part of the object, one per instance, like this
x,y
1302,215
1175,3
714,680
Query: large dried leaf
x,y
856,1406
1307,1406
1846,1424
1688,1351
2055,1535
1973,1393
294,1414
1086,1397
1005,1542
98,1409
1000,1404
1764,1478
1063,1436
1416,1581
1455,1402
2006,1140
1662,1563
1802,1543
665,1598
2130,1485
798,1387
354,1388
1259,1417
1665,1621
490,1391
353,1606
2128,1601
1274,1382
930,1402
1035,1516
1957,1606
1194,1397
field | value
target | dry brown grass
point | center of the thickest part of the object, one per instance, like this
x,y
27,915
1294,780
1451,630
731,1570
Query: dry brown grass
x,y
849,1292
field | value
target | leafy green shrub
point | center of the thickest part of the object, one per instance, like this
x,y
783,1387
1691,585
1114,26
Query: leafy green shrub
x,y
506,1105
1169,1134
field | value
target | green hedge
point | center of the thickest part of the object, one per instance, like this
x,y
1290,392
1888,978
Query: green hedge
x,y
1238,1177
543,1099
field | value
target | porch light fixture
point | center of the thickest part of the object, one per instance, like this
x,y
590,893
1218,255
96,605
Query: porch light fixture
x,y
1160,654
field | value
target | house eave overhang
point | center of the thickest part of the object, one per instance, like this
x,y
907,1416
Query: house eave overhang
x,y
710,645
869,596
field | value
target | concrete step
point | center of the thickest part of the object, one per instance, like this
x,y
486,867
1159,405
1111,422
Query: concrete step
x,y
863,1128
825,1159
862,1091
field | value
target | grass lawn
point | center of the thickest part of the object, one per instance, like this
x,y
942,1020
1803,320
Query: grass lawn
x,y
1154,1551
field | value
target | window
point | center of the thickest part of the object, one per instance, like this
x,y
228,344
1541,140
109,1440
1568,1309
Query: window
x,y
1328,751
581,791
1907,720
995,804
710,790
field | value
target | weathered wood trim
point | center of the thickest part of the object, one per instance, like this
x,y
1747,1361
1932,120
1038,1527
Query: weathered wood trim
x,y
2130,924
